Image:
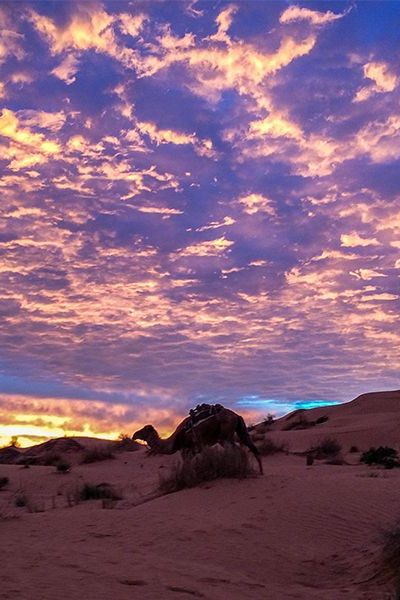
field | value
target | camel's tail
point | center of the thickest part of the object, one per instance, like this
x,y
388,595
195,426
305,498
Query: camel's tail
x,y
245,438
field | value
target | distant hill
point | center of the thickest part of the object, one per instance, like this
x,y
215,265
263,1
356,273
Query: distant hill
x,y
371,419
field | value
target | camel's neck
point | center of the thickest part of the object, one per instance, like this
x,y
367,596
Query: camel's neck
x,y
163,446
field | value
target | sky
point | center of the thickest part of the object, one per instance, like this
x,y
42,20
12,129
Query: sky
x,y
199,203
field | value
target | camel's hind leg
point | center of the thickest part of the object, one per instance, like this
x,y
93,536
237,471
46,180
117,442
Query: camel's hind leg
x,y
246,440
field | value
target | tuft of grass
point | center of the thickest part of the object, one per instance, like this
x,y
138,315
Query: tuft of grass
x,y
268,447
97,454
212,463
327,448
384,455
99,491
3,482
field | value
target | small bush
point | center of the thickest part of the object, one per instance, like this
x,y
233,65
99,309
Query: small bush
x,y
268,420
327,448
212,463
21,500
97,454
99,491
384,456
354,449
267,447
3,482
63,466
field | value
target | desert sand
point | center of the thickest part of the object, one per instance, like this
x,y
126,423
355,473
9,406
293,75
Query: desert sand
x,y
298,531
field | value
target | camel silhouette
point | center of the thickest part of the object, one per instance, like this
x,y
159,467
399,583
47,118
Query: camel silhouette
x,y
221,426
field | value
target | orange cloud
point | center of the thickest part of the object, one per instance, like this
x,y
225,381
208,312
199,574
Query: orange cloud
x,y
67,69
256,203
296,13
209,248
34,419
352,240
384,81
26,148
224,21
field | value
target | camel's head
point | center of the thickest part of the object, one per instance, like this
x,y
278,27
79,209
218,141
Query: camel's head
x,y
145,433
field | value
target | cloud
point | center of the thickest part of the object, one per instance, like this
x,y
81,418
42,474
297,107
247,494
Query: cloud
x,y
192,10
314,17
224,21
51,121
379,139
256,203
26,147
367,274
132,259
275,125
159,136
352,240
11,41
67,69
130,24
384,81
226,221
89,27
34,419
208,248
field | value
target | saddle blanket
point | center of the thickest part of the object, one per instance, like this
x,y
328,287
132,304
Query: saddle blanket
x,y
201,413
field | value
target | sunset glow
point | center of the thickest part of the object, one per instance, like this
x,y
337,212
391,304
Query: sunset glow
x,y
200,202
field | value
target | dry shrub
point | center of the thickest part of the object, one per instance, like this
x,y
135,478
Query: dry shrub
x,y
33,505
99,491
327,448
212,463
384,455
3,482
21,499
97,454
268,446
63,466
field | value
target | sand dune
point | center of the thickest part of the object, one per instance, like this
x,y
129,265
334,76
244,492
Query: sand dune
x,y
298,532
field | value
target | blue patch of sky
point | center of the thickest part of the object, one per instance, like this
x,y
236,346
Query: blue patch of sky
x,y
281,407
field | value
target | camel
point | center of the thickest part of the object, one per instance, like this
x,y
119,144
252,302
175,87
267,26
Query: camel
x,y
219,427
